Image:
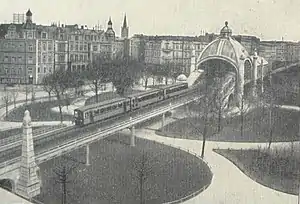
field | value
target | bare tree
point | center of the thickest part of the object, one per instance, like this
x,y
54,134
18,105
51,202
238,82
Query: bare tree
x,y
62,173
47,85
27,92
200,118
97,73
60,82
15,95
143,169
6,99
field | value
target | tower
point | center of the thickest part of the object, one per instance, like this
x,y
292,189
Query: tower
x,y
28,16
110,33
28,184
124,28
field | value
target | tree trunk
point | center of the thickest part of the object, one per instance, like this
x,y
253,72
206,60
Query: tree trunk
x,y
141,188
270,128
219,119
15,103
96,91
204,140
6,109
166,80
242,119
153,81
146,83
49,96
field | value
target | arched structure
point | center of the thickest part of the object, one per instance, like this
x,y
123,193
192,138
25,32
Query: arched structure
x,y
228,55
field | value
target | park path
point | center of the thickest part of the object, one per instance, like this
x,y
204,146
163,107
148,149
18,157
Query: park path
x,y
229,184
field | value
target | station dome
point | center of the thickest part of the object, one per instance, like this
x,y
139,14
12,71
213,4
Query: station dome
x,y
224,47
181,77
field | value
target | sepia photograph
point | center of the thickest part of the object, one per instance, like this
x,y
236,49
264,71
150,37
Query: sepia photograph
x,y
149,102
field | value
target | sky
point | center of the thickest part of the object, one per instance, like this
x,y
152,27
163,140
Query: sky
x,y
266,19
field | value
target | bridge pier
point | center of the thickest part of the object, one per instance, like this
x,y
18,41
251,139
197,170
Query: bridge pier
x,y
163,120
28,184
87,155
132,138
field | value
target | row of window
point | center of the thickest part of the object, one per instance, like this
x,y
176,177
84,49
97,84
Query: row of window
x,y
78,58
16,70
175,89
147,97
88,37
103,110
17,46
14,59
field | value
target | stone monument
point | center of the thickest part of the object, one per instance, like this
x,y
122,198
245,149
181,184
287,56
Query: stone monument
x,y
28,184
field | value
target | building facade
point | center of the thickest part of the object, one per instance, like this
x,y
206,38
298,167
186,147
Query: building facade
x,y
30,52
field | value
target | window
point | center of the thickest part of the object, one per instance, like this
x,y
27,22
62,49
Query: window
x,y
29,35
44,46
85,47
61,36
73,67
44,58
61,58
76,37
45,69
20,59
71,57
95,48
39,70
81,47
30,47
76,58
81,58
30,60
76,47
85,58
71,47
44,35
13,59
49,59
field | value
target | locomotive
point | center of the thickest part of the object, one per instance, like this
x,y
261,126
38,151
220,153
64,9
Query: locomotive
x,y
110,108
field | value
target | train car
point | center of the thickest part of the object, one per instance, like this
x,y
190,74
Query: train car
x,y
174,89
139,100
100,111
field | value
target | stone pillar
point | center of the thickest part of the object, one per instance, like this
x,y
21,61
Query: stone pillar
x,y
163,120
132,138
87,155
254,75
240,82
28,184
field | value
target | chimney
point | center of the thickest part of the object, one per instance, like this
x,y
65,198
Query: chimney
x,y
82,27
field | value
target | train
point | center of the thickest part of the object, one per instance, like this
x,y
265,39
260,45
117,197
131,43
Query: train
x,y
111,108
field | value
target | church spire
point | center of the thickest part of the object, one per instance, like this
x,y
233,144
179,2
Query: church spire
x,y
125,22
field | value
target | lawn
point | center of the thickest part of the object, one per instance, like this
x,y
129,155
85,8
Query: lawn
x,y
278,170
39,111
108,95
256,127
113,175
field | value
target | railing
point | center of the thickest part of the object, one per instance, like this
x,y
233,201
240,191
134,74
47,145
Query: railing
x,y
16,140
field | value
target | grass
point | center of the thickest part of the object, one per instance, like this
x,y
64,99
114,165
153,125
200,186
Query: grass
x,y
278,170
256,127
39,111
108,95
112,176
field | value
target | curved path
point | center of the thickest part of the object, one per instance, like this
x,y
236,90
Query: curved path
x,y
229,184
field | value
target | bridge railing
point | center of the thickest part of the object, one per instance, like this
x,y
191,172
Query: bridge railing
x,y
36,133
